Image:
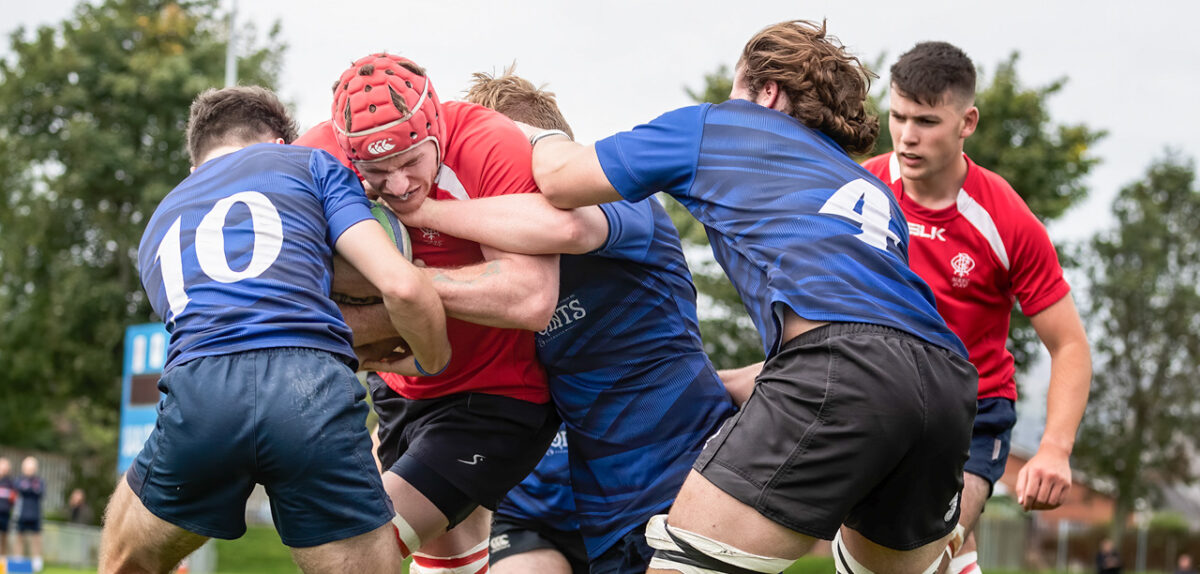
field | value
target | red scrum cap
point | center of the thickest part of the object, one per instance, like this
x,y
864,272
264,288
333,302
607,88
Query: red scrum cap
x,y
383,105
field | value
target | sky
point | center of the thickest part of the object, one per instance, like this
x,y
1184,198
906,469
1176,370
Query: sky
x,y
615,64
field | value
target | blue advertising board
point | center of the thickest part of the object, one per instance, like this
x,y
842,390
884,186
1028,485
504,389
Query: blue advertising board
x,y
145,355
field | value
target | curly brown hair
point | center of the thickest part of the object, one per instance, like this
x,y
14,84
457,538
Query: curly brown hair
x,y
826,87
238,115
518,99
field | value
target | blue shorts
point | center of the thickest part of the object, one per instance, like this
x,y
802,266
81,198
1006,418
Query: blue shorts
x,y
991,438
293,420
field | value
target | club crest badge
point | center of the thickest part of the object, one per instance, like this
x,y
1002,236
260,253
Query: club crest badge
x,y
962,264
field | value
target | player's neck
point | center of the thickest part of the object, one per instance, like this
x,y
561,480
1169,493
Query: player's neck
x,y
940,190
218,152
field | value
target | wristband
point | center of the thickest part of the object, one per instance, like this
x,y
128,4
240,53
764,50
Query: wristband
x,y
422,371
533,140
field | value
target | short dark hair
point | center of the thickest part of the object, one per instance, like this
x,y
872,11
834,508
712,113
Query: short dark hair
x,y
931,70
518,99
236,115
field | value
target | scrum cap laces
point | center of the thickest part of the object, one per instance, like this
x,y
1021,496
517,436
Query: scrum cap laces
x,y
382,108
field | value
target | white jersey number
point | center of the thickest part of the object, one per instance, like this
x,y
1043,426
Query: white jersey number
x,y
210,246
876,216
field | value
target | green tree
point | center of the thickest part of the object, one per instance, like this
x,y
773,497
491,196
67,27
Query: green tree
x,y
92,118
1145,311
1045,162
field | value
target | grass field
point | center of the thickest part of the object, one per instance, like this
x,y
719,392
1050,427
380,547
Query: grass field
x,y
260,552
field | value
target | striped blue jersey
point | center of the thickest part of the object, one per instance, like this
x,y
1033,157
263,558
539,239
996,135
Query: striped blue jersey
x,y
239,255
628,373
545,495
792,219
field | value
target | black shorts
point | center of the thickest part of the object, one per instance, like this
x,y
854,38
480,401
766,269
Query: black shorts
x,y
512,536
479,445
852,424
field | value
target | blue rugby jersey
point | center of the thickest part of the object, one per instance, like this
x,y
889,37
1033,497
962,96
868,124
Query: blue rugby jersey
x,y
792,219
239,255
545,495
627,372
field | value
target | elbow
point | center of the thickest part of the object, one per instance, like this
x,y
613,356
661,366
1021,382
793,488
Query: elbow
x,y
535,310
403,290
556,195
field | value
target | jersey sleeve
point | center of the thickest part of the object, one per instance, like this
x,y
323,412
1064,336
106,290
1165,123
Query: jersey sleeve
x,y
340,192
630,230
1037,277
658,156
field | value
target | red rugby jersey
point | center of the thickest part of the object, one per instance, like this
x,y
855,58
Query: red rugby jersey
x,y
978,256
486,155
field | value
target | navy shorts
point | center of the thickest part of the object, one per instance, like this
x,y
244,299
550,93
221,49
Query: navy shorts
x,y
293,420
5,517
29,525
991,438
630,554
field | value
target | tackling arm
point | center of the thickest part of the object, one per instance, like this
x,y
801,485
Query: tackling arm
x,y
568,173
739,382
1043,482
506,290
519,223
412,304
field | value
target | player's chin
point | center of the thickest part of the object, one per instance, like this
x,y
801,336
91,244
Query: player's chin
x,y
406,203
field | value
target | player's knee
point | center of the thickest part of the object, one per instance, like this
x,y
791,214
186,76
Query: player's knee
x,y
678,549
846,563
473,561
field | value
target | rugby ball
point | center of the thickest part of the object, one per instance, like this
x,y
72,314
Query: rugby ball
x,y
395,230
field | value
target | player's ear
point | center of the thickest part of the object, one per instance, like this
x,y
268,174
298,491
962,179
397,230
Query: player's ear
x,y
768,96
970,122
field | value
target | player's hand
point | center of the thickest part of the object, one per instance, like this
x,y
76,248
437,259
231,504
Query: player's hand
x,y
1044,481
529,130
421,216
381,355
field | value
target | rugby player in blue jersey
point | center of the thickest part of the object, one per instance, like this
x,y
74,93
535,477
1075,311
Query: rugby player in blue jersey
x,y
259,382
627,370
859,423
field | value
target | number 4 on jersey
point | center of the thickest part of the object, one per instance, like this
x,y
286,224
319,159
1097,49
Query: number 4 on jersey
x,y
876,215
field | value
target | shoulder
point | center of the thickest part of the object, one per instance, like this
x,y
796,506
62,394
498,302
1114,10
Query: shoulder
x,y
486,151
995,196
879,165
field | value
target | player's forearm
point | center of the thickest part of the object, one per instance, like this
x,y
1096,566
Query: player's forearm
x,y
523,223
347,280
569,174
370,323
501,292
417,315
740,382
1066,398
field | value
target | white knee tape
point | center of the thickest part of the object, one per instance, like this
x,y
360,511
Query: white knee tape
x,y
670,555
843,561
410,542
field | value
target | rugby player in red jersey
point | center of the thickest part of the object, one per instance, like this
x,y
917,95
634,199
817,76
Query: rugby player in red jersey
x,y
980,248
458,440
